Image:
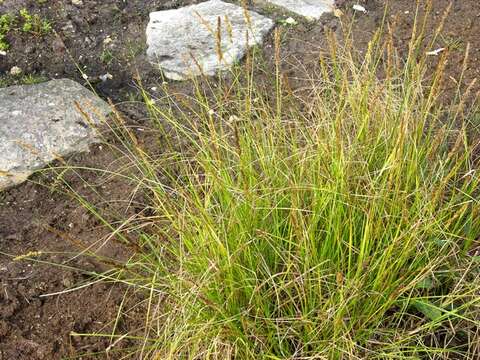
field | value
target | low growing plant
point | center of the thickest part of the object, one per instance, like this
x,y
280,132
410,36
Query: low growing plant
x,y
6,23
33,23
26,22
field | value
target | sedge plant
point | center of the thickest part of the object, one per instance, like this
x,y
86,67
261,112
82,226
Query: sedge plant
x,y
341,222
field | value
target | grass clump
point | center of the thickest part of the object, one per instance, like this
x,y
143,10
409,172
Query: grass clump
x,y
340,224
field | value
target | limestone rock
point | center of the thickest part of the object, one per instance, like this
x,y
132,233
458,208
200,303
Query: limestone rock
x,y
39,123
183,41
312,9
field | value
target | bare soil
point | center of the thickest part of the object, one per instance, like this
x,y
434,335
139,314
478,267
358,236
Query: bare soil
x,y
107,36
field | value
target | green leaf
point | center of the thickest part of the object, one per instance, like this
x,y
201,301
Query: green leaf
x,y
426,283
428,309
441,242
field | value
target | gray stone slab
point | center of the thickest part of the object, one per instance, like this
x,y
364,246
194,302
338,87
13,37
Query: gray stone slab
x,y
311,9
181,41
40,123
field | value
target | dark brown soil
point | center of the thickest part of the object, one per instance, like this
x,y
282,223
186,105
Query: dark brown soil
x,y
45,218
97,37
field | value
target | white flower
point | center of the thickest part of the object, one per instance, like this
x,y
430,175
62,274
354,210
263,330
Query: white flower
x,y
106,77
291,21
15,71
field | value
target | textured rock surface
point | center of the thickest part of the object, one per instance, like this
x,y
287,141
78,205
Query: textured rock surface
x,y
176,37
39,123
308,8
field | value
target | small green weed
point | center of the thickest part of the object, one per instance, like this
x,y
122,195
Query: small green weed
x,y
31,79
25,22
106,56
28,79
34,23
7,21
